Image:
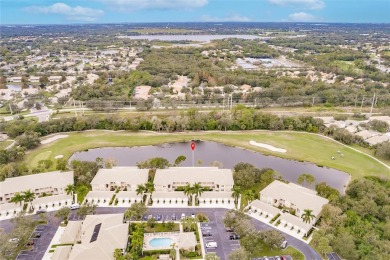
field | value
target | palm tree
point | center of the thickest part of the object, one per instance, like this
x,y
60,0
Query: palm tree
x,y
307,217
17,198
188,190
28,196
249,195
140,189
197,190
236,192
70,189
149,186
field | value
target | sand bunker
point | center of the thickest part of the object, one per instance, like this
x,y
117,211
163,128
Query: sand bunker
x,y
267,146
53,138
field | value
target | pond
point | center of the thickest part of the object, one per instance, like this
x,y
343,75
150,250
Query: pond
x,y
208,152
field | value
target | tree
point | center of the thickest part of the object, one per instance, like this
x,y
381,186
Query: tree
x,y
306,178
63,213
140,189
307,217
239,254
28,196
383,150
17,198
197,190
136,211
86,209
188,191
272,238
189,224
44,80
179,160
29,140
244,177
149,186
249,195
236,193
61,164
70,190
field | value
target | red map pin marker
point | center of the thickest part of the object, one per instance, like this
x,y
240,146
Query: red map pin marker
x,y
192,146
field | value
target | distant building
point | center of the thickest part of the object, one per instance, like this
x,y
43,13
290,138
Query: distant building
x,y
14,79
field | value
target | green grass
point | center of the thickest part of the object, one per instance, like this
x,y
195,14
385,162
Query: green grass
x,y
294,253
299,146
160,228
4,144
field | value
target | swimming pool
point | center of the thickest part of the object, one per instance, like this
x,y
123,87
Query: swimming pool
x,y
161,242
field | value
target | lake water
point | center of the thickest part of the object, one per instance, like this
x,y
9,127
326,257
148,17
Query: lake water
x,y
208,152
198,38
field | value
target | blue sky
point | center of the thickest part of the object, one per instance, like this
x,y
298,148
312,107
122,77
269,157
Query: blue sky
x,y
112,11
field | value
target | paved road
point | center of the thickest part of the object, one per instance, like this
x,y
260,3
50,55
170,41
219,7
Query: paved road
x,y
215,216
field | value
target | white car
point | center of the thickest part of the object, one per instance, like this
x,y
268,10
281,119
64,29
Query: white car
x,y
183,216
211,245
74,206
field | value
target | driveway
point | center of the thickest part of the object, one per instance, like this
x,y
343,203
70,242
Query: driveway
x,y
216,224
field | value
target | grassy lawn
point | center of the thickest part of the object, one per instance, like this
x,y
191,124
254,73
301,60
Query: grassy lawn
x,y
299,146
4,144
294,253
159,227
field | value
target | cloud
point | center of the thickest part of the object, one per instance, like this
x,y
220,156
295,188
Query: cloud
x,y
77,13
309,4
154,4
302,17
232,18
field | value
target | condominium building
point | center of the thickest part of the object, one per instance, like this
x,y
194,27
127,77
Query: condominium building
x,y
123,178
49,183
213,178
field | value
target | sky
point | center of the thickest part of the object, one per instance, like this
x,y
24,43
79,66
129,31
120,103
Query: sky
x,y
140,11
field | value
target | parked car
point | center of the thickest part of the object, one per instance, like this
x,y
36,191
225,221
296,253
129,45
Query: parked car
x,y
150,216
74,206
278,258
265,258
183,216
30,242
211,245
40,211
207,233
234,236
193,215
145,218
284,258
36,235
159,217
228,229
284,244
